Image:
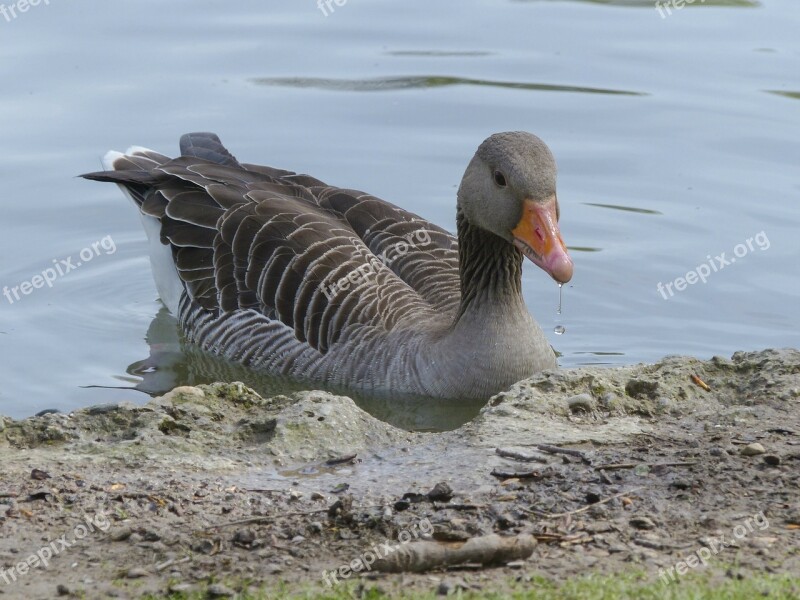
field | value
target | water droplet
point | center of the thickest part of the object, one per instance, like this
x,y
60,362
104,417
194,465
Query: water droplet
x,y
559,329
560,292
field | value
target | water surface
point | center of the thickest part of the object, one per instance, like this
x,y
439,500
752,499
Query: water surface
x,y
676,140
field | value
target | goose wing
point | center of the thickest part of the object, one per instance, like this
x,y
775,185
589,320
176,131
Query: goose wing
x,y
320,259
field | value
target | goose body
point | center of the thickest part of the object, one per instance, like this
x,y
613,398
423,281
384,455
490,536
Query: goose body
x,y
292,276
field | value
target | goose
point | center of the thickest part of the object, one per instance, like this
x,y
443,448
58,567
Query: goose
x,y
332,286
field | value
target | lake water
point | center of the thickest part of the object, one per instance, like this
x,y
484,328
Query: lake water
x,y
676,138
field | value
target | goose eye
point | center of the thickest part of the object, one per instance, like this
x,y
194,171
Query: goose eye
x,y
499,179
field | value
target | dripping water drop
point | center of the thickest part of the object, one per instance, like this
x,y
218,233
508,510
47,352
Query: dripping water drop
x,y
560,293
560,329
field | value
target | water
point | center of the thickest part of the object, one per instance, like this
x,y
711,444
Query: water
x,y
676,140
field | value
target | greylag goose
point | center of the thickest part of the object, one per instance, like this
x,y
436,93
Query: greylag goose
x,y
295,277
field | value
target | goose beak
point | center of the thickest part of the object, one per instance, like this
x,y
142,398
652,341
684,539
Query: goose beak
x,y
537,237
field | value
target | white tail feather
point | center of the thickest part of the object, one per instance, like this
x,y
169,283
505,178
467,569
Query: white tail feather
x,y
169,285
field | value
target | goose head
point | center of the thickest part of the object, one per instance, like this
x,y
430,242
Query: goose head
x,y
509,189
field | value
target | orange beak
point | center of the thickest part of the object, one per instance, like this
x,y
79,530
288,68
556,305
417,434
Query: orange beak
x,y
537,237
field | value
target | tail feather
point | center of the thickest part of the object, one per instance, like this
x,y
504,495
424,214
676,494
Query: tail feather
x,y
134,173
207,146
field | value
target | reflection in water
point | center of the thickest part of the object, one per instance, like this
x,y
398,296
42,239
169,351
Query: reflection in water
x,y
643,211
437,53
794,95
384,84
173,362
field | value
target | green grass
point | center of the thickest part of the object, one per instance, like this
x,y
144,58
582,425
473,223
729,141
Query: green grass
x,y
619,587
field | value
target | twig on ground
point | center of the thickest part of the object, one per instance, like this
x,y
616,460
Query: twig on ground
x,y
521,456
173,561
539,513
618,466
492,549
568,451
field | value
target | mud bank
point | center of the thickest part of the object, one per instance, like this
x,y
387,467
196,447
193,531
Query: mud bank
x,y
609,469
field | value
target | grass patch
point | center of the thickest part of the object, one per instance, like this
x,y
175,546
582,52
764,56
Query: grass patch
x,y
594,587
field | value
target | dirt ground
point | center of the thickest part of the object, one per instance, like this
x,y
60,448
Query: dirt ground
x,y
217,489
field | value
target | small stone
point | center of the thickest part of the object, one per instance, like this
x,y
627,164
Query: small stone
x,y
516,564
62,590
272,568
441,492
317,496
120,535
642,523
599,527
244,537
582,403
179,588
772,460
217,590
203,547
40,475
681,484
151,535
444,589
753,449
609,401
136,573
315,527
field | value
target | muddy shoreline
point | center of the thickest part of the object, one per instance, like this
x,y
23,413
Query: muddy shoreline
x,y
609,469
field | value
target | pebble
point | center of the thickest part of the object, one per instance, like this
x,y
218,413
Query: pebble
x,y
772,460
582,403
203,547
120,535
441,492
642,523
217,590
136,573
315,527
609,401
244,537
753,449
151,536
